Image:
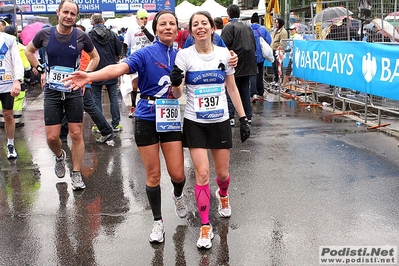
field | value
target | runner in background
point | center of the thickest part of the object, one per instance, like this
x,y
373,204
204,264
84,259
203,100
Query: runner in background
x,y
90,108
137,37
12,73
19,101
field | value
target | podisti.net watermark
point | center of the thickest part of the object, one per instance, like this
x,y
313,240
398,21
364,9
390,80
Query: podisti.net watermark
x,y
352,255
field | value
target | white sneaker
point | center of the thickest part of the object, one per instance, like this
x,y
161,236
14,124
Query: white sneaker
x,y
132,111
59,167
180,205
77,181
206,236
158,231
224,207
11,152
254,98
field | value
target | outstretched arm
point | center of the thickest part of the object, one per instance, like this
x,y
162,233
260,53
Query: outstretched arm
x,y
79,79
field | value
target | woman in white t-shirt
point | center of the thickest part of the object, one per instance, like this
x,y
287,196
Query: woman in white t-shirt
x,y
206,72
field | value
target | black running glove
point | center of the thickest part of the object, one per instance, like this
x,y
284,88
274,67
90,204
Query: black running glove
x,y
244,128
176,76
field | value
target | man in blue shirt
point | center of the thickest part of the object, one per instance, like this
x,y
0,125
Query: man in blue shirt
x,y
257,88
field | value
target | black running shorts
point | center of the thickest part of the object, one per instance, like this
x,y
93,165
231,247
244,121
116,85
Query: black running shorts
x,y
146,134
207,136
7,101
56,102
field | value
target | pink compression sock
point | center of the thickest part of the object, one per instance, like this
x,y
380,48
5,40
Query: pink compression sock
x,y
223,185
202,196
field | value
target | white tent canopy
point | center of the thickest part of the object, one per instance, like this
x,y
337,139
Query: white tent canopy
x,y
184,11
86,22
118,23
261,6
214,8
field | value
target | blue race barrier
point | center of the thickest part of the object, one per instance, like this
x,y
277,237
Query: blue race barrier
x,y
371,68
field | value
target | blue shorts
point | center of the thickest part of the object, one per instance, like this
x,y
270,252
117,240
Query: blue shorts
x,y
57,102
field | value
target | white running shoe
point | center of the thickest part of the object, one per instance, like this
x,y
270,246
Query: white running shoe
x,y
11,152
59,167
180,205
224,207
158,232
206,236
254,98
77,181
132,111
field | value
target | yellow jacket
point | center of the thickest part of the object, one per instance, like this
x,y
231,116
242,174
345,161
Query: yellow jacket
x,y
25,60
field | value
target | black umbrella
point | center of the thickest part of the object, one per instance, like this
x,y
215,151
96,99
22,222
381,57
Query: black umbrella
x,y
10,9
331,13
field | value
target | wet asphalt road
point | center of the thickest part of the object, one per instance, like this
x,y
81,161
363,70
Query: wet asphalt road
x,y
302,180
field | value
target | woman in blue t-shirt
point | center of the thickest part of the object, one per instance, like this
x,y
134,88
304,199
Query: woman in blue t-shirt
x,y
152,132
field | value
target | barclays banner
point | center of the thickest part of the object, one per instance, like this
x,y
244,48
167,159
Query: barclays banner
x,y
366,67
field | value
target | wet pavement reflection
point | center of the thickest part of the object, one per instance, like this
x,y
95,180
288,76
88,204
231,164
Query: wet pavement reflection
x,y
303,179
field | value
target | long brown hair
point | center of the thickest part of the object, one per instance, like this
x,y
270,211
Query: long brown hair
x,y
207,15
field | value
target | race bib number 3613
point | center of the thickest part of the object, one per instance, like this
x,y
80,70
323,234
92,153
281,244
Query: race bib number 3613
x,y
58,73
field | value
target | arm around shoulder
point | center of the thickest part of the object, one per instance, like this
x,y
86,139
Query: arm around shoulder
x,y
177,80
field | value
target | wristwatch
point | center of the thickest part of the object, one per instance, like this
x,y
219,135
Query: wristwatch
x,y
40,69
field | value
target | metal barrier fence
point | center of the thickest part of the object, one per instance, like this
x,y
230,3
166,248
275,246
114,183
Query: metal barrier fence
x,y
382,27
385,15
367,107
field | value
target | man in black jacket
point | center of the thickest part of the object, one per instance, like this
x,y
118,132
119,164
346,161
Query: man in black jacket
x,y
238,36
110,49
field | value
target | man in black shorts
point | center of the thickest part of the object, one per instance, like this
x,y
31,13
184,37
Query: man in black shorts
x,y
63,46
12,73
